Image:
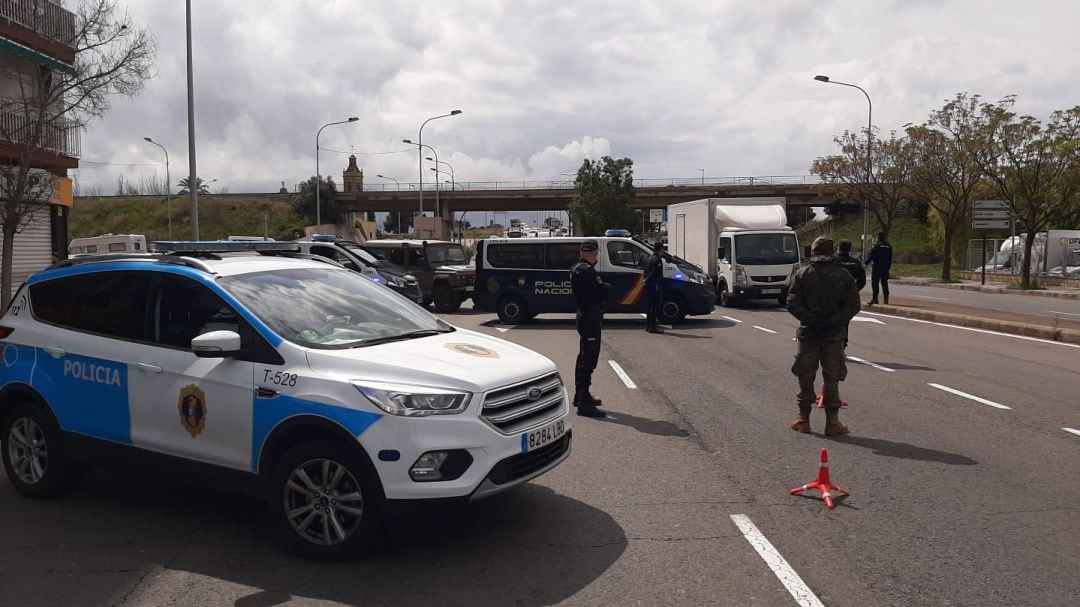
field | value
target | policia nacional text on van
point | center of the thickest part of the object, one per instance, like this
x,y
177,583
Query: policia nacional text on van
x,y
521,278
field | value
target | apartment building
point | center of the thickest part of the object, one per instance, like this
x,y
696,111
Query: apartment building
x,y
37,36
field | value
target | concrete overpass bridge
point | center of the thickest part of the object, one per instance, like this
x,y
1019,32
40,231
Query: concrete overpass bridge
x,y
800,191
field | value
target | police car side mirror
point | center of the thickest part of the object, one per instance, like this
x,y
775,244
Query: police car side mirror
x,y
216,344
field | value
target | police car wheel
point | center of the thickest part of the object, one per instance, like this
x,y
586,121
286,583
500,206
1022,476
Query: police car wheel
x,y
32,453
324,501
446,299
673,310
512,310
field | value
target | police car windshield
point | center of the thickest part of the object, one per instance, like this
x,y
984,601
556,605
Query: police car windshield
x,y
330,308
766,249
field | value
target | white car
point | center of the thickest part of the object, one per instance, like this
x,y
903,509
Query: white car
x,y
325,391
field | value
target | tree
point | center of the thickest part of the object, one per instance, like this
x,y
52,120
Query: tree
x,y
946,173
304,205
391,226
889,188
1033,166
47,107
605,189
184,186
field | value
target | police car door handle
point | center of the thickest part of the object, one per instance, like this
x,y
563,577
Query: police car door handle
x,y
149,367
55,351
266,392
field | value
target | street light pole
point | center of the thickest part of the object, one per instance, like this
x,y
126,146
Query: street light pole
x,y
419,147
398,183
702,177
869,155
168,183
420,152
449,166
193,191
318,177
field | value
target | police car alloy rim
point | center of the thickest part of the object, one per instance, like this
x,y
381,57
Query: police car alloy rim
x,y
27,450
323,502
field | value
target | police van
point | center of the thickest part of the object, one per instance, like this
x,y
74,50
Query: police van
x,y
519,279
294,377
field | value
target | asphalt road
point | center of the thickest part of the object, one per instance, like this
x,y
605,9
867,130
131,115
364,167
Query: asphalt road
x,y
953,501
1045,311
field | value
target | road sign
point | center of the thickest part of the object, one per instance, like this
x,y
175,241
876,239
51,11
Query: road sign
x,y
992,224
991,204
990,214
656,215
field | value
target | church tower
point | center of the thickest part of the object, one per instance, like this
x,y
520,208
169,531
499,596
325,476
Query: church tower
x,y
352,178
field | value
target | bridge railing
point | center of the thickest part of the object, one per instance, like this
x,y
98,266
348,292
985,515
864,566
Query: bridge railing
x,y
479,186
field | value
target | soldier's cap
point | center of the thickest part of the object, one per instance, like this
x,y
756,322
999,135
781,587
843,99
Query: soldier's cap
x,y
823,245
589,247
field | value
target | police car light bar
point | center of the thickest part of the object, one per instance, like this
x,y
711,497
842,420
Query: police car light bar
x,y
222,246
323,238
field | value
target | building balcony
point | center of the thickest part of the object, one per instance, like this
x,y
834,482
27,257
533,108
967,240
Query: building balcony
x,y
59,147
42,26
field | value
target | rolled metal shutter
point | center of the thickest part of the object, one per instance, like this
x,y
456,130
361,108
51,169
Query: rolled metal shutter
x,y
33,248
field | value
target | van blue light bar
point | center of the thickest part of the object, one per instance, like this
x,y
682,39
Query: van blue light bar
x,y
221,246
323,238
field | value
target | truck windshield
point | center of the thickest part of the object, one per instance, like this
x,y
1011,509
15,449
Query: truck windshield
x,y
445,253
766,249
330,308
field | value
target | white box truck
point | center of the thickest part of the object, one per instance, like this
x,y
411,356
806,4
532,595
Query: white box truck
x,y
743,244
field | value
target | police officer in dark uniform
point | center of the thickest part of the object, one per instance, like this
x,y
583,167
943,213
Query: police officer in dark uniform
x,y
881,259
851,264
654,284
591,293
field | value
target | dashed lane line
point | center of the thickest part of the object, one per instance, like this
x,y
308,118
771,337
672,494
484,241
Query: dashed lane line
x,y
870,364
622,375
503,329
977,399
764,329
1072,431
734,320
974,330
794,584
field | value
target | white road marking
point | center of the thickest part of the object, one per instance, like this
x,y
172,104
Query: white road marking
x,y
764,329
870,364
622,375
735,320
776,562
928,297
1065,313
970,396
1072,431
942,324
861,318
503,329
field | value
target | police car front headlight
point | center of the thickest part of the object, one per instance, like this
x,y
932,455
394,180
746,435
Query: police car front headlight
x,y
413,401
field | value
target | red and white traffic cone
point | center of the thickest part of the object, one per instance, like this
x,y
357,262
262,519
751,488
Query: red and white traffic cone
x,y
821,399
823,483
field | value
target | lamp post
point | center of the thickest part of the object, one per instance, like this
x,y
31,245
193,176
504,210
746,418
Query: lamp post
x,y
193,192
318,176
702,177
437,162
168,183
869,155
398,184
419,147
420,153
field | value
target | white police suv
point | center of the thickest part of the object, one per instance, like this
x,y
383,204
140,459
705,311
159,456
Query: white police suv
x,y
326,392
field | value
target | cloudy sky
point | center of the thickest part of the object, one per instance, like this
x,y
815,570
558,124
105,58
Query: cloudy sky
x,y
676,85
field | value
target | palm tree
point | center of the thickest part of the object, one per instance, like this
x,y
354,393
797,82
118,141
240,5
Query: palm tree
x,y
203,188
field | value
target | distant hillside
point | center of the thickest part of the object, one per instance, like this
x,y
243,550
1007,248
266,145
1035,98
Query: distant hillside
x,y
220,216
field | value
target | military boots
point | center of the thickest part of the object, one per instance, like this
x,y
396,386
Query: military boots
x,y
833,425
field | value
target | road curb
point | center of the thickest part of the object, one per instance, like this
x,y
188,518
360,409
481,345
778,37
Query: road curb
x,y
974,322
986,289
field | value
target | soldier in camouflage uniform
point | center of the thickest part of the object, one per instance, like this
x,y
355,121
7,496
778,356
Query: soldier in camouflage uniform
x,y
824,298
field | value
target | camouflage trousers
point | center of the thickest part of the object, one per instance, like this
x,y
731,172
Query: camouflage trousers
x,y
828,352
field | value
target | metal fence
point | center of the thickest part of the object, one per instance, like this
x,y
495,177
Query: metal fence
x,y
45,17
